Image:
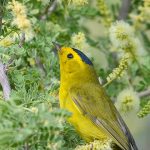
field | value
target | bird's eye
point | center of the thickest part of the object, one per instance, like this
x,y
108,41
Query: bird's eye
x,y
70,55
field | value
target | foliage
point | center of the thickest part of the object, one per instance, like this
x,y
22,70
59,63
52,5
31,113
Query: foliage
x,y
32,118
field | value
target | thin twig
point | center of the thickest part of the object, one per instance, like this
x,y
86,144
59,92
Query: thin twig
x,y
49,9
40,65
22,39
4,82
1,16
26,146
10,62
91,146
124,9
144,93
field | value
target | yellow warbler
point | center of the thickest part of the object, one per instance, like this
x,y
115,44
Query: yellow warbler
x,y
93,114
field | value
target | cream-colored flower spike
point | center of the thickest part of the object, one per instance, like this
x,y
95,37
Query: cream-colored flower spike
x,y
78,2
106,18
96,145
78,40
127,101
19,12
145,110
123,38
119,71
120,32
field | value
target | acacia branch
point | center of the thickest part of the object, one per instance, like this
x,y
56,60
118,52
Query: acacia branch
x,y
144,93
4,82
124,9
21,39
26,146
1,15
40,65
3,77
48,11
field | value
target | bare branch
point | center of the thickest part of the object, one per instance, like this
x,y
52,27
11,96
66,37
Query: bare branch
x,y
4,82
26,146
40,65
1,15
22,39
144,93
49,9
91,147
124,9
10,62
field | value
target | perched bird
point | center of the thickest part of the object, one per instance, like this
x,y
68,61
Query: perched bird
x,y
93,114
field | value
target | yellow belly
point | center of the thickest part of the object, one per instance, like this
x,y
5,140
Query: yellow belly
x,y
82,124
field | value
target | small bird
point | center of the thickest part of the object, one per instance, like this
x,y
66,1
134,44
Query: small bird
x,y
94,116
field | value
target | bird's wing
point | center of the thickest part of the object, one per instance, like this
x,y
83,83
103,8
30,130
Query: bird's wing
x,y
97,106
126,130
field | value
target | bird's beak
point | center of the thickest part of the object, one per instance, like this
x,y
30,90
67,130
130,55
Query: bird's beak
x,y
57,46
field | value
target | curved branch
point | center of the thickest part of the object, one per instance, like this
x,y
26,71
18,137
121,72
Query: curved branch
x,y
49,9
4,82
40,65
144,93
124,9
1,15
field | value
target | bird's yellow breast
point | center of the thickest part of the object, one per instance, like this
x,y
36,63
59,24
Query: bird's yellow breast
x,y
79,120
